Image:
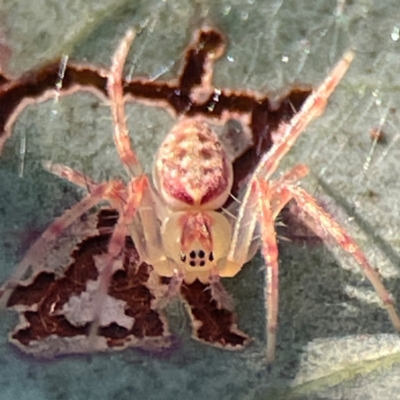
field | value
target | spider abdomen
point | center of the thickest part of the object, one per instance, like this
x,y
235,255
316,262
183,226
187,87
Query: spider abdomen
x,y
192,168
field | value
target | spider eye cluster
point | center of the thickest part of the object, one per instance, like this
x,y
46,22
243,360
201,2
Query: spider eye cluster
x,y
196,241
197,258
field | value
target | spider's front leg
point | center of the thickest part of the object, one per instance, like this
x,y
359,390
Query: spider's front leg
x,y
125,199
276,194
145,227
34,259
264,199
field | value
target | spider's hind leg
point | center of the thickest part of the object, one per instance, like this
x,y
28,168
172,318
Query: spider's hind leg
x,y
321,220
269,251
36,256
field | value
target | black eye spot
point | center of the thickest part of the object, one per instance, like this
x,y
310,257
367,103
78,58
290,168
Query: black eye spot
x,y
192,254
183,257
211,257
192,263
202,263
201,254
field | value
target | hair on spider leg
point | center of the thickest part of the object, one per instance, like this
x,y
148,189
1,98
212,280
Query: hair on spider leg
x,y
283,238
231,209
229,214
227,210
62,67
142,30
160,71
281,223
235,199
60,76
219,294
291,105
279,237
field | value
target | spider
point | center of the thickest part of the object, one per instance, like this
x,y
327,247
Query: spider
x,y
176,219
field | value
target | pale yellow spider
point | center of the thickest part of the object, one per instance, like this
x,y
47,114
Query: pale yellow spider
x,y
175,221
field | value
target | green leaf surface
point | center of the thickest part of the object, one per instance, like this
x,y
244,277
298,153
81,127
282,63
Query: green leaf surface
x,y
334,341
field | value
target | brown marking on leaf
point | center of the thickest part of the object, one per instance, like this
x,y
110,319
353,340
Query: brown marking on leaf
x,y
41,303
177,95
32,294
211,324
208,45
294,229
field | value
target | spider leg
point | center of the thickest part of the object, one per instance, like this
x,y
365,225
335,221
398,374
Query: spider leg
x,y
269,250
288,132
218,293
271,200
145,229
116,245
263,200
321,220
272,197
264,203
72,175
116,93
173,289
126,204
280,198
116,198
36,255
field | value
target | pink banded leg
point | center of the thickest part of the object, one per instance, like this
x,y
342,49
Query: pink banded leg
x,y
281,198
281,194
312,108
288,134
323,220
72,175
36,255
115,247
116,196
269,250
146,229
116,94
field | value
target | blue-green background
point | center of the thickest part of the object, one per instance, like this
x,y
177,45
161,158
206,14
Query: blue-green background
x,y
334,339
